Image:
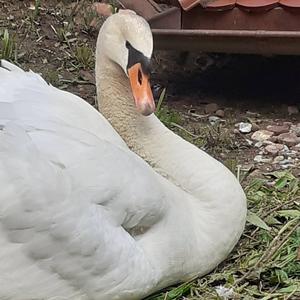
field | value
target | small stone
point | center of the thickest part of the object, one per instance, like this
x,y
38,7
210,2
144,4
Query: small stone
x,y
297,147
287,166
220,113
211,108
289,138
87,76
297,174
293,110
258,158
157,90
277,159
252,114
273,149
267,142
213,120
249,142
274,139
245,127
258,144
225,293
284,150
261,135
286,161
292,154
296,129
255,127
278,129
261,159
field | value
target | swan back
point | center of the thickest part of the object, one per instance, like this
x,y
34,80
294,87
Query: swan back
x,y
25,96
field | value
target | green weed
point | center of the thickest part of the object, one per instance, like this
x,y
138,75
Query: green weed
x,y
7,46
84,56
168,116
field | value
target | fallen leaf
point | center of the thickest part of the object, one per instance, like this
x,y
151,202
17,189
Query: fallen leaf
x,y
254,219
289,213
87,76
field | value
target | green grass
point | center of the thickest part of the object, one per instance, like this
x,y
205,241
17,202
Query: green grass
x,y
37,6
84,56
63,33
115,5
265,264
52,77
7,46
169,117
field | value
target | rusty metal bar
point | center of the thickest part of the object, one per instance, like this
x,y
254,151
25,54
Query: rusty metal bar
x,y
229,41
168,19
276,19
276,31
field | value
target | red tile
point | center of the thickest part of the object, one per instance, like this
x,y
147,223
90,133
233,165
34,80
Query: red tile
x,y
290,3
257,5
221,5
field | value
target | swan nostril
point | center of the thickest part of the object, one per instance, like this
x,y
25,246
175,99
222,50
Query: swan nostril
x,y
140,77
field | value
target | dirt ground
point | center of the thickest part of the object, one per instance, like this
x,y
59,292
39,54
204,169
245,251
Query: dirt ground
x,y
247,88
208,96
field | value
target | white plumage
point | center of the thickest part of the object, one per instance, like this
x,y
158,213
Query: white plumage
x,y
84,217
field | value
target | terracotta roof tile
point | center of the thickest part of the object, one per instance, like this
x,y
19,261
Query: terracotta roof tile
x,y
257,5
290,3
248,5
221,4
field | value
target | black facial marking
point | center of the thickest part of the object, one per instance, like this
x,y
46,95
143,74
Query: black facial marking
x,y
135,56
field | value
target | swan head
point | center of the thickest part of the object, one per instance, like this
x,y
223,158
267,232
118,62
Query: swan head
x,y
126,39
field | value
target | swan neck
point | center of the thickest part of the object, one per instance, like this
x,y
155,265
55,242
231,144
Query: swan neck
x,y
199,189
114,97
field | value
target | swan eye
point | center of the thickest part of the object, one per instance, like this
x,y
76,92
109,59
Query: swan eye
x,y
137,57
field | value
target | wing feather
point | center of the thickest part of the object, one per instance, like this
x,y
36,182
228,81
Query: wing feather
x,y
71,191
33,100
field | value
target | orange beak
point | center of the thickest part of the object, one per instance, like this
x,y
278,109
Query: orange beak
x,y
141,90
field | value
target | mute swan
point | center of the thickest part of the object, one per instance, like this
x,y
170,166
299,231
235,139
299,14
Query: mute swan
x,y
84,217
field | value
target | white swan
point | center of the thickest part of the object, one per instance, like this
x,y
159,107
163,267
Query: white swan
x,y
82,216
